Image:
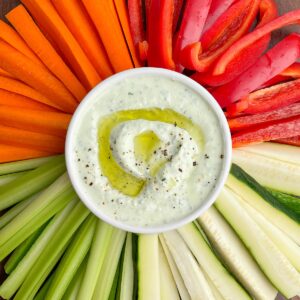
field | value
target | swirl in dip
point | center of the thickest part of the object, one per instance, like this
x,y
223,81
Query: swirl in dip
x,y
148,150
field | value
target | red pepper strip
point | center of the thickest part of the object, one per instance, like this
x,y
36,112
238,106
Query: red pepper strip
x,y
160,34
275,80
177,11
236,109
192,24
295,141
292,71
246,58
267,132
231,26
143,50
289,18
266,117
136,21
271,64
217,8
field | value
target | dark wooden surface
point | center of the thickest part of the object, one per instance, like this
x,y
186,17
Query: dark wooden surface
x,y
284,6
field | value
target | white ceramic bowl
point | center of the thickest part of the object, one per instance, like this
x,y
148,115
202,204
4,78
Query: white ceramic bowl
x,y
225,132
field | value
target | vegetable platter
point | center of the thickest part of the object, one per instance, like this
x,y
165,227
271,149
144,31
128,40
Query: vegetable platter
x,y
246,246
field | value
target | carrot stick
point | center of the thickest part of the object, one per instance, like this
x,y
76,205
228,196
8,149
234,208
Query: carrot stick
x,y
45,13
104,17
53,123
15,100
122,12
28,139
8,35
18,87
30,32
36,76
5,74
74,13
13,153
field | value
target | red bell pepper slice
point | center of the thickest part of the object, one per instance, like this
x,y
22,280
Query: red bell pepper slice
x,y
275,80
136,21
294,141
266,117
292,71
268,66
143,50
160,34
246,58
231,26
217,8
177,11
267,132
289,18
192,24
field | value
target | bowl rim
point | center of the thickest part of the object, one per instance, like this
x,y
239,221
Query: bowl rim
x,y
226,162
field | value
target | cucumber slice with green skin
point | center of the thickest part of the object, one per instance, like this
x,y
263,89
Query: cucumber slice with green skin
x,y
148,268
285,153
32,182
127,272
272,262
289,201
16,278
110,264
188,267
228,287
22,165
269,172
168,288
273,215
72,259
184,294
95,260
235,255
286,245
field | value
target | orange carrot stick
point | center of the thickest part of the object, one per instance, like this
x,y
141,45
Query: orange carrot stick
x,y
45,13
18,87
122,12
104,17
53,123
15,100
74,13
13,153
5,74
30,32
36,76
8,35
34,140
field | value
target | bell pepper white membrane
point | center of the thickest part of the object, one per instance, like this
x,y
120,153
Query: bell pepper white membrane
x,y
190,171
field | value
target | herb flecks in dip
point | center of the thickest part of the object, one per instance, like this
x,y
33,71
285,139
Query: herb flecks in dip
x,y
148,150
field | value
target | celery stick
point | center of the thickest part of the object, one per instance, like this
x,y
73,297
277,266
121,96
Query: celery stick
x,y
21,251
114,287
16,278
110,264
15,210
22,165
44,290
32,182
52,253
73,288
4,179
96,258
72,259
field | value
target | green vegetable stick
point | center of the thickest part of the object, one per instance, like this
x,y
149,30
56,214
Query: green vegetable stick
x,y
32,182
20,235
44,290
114,287
4,179
97,255
73,288
21,251
15,210
16,278
22,165
72,259
52,253
110,264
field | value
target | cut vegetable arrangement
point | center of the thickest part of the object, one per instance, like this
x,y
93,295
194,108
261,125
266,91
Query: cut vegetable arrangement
x,y
246,246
